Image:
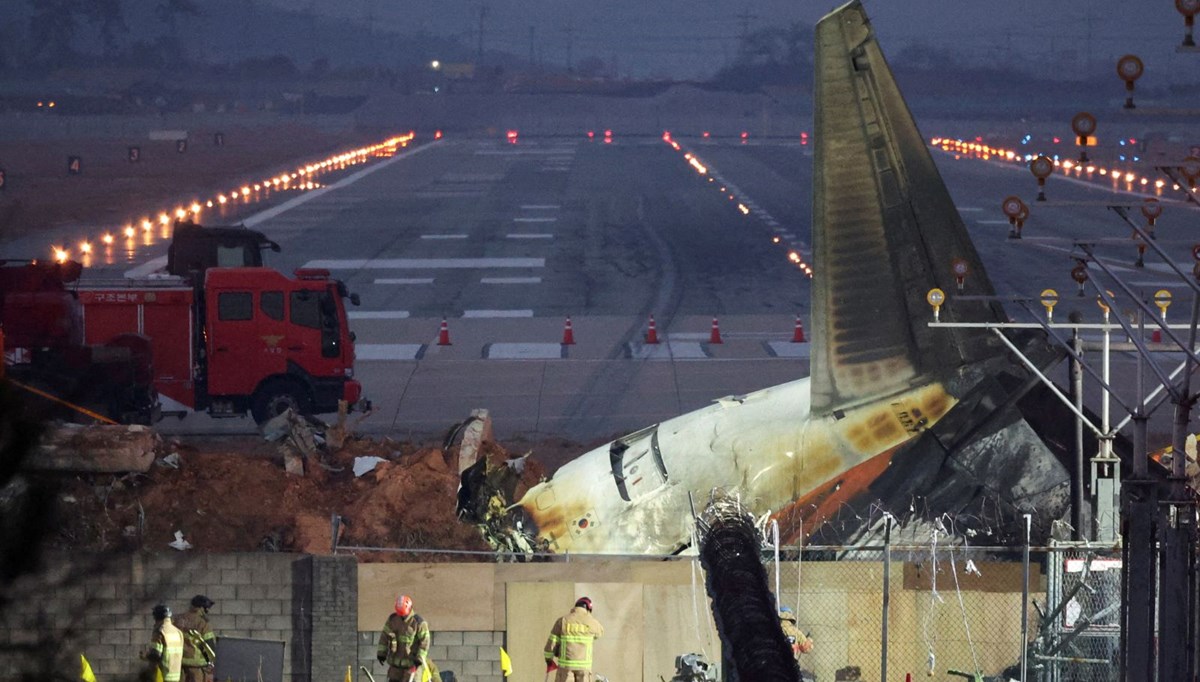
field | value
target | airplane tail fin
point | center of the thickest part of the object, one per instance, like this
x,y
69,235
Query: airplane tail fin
x,y
885,232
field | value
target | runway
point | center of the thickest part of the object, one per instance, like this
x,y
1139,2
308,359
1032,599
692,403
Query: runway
x,y
507,241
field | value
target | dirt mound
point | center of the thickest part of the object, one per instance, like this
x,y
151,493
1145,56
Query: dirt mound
x,y
232,495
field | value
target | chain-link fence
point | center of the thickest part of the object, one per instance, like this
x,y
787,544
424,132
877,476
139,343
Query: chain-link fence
x,y
955,611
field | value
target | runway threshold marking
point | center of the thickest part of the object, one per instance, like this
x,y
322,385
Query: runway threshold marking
x,y
377,314
423,263
404,280
497,313
511,280
529,235
388,351
535,220
524,351
540,207
787,349
672,350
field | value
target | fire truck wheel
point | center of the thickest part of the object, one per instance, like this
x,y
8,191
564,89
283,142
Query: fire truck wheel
x,y
277,395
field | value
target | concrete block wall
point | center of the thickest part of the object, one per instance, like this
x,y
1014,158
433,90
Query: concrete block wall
x,y
471,656
100,607
334,622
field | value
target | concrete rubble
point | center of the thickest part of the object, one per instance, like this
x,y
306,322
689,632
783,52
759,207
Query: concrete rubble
x,y
95,449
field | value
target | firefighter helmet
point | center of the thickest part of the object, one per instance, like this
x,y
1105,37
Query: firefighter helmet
x,y
585,603
161,611
403,605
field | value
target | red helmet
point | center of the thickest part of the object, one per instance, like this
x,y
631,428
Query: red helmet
x,y
585,603
403,605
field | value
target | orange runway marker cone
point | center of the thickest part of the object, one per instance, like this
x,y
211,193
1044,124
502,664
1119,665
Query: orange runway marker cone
x,y
798,334
568,333
715,336
444,334
652,332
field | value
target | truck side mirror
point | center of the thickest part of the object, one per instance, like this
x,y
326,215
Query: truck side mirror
x,y
274,246
355,300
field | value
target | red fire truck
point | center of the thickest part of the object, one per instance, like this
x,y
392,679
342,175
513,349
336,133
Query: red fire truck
x,y
245,339
41,327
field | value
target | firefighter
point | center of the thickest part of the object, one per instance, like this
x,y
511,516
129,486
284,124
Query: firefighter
x,y
166,647
404,644
800,642
199,641
569,647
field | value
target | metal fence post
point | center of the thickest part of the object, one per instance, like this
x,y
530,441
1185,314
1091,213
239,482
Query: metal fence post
x,y
1025,600
887,595
775,541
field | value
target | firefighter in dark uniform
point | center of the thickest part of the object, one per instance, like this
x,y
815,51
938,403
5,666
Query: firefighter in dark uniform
x,y
199,641
404,644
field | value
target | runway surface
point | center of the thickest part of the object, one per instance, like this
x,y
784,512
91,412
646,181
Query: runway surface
x,y
506,241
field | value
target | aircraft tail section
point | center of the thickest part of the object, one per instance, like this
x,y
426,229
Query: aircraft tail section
x,y
885,232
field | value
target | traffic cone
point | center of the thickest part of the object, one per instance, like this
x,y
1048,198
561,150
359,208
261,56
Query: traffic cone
x,y
715,336
1156,336
652,332
568,333
798,334
444,334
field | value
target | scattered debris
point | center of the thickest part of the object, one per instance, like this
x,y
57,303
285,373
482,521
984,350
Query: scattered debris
x,y
475,432
179,543
171,460
364,465
693,668
486,491
230,493
298,439
95,449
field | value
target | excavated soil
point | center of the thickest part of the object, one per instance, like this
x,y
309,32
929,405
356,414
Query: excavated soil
x,y
232,495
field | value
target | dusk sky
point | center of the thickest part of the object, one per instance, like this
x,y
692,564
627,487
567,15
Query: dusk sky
x,y
691,38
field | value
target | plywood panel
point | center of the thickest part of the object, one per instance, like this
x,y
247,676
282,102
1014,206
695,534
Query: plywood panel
x,y
618,607
532,609
449,596
678,621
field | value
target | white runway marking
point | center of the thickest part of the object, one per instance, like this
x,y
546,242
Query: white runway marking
x,y
966,209
672,350
497,313
530,235
403,280
443,236
992,222
511,280
787,349
388,351
523,351
540,207
376,314
535,220
424,263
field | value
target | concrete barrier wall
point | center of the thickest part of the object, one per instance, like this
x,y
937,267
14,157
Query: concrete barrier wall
x,y
328,612
101,607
